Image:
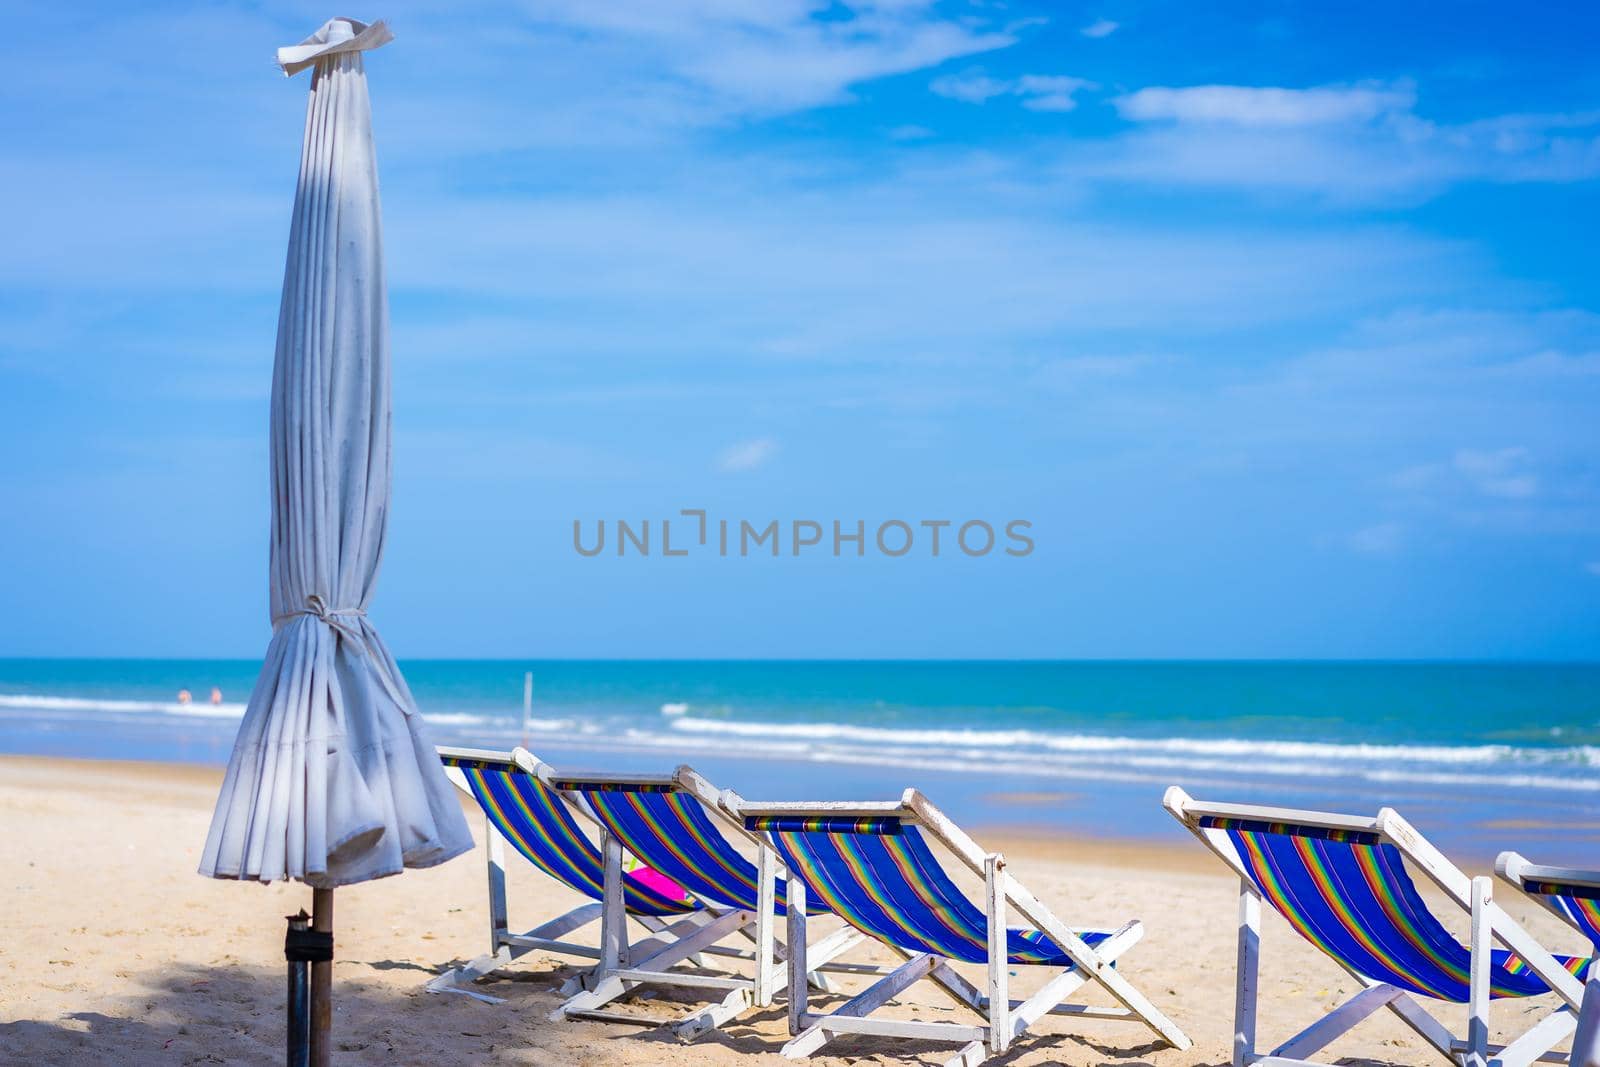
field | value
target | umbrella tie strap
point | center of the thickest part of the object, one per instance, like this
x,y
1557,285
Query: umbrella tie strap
x,y
335,618
307,946
317,607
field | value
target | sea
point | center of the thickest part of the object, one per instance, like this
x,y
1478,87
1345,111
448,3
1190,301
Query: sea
x,y
1481,756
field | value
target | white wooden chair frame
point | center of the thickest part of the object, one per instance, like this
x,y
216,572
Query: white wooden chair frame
x,y
1518,870
624,967
1003,1019
506,947
1490,923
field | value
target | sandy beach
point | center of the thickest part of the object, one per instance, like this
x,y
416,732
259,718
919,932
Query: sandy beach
x,y
116,952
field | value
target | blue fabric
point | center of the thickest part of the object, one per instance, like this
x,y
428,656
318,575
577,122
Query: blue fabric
x,y
672,833
1356,901
1579,903
892,887
538,825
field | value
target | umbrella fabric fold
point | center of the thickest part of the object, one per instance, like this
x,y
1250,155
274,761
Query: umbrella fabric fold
x,y
333,777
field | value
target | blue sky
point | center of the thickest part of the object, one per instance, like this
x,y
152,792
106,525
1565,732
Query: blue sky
x,y
1279,322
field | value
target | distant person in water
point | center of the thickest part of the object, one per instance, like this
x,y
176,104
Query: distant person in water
x,y
216,695
184,697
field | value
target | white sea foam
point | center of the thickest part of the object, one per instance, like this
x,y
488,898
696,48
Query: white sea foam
x,y
31,702
1005,752
52,706
1092,744
1071,755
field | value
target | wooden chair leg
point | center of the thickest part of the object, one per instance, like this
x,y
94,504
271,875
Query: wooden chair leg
x,y
1247,974
1477,1052
798,990
999,1013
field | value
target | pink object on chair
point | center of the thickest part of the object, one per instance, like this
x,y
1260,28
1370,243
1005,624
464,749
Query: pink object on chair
x,y
654,879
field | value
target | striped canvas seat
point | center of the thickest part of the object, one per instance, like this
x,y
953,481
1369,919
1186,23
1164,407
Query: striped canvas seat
x,y
670,821
881,877
537,823
1580,904
1348,892
671,831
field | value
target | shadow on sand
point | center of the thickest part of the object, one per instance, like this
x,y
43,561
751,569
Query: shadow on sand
x,y
234,1015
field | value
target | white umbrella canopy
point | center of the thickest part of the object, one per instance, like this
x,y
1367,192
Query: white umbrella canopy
x,y
333,778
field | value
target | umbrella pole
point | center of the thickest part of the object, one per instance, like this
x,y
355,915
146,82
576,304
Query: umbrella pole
x,y
299,1013
322,982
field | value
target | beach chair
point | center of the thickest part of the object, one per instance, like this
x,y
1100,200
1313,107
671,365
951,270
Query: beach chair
x,y
1342,883
871,864
1571,895
675,824
1574,897
540,825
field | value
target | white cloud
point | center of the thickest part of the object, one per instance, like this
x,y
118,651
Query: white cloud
x,y
1381,539
1037,92
970,88
1351,143
1500,473
1593,568
765,56
747,455
1241,105
1305,148
1042,92
1470,475
1100,28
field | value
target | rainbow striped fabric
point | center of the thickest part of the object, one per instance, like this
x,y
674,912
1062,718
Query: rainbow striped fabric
x,y
671,831
1348,893
537,823
825,824
886,882
1579,903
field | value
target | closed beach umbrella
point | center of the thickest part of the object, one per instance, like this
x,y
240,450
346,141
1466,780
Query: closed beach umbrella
x,y
333,778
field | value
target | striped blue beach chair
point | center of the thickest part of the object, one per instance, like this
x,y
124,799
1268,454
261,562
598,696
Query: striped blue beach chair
x,y
1344,884
1573,896
871,864
540,825
675,824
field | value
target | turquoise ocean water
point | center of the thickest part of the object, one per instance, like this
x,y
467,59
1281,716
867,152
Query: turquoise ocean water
x,y
1491,755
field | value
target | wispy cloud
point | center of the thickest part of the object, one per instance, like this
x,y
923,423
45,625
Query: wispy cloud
x,y
1037,92
1050,92
747,455
1379,539
616,223
1346,143
1240,105
778,55
1502,473
970,88
1100,28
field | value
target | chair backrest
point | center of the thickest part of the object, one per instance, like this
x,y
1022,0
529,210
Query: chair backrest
x,y
1568,892
666,822
1343,884
878,873
537,823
